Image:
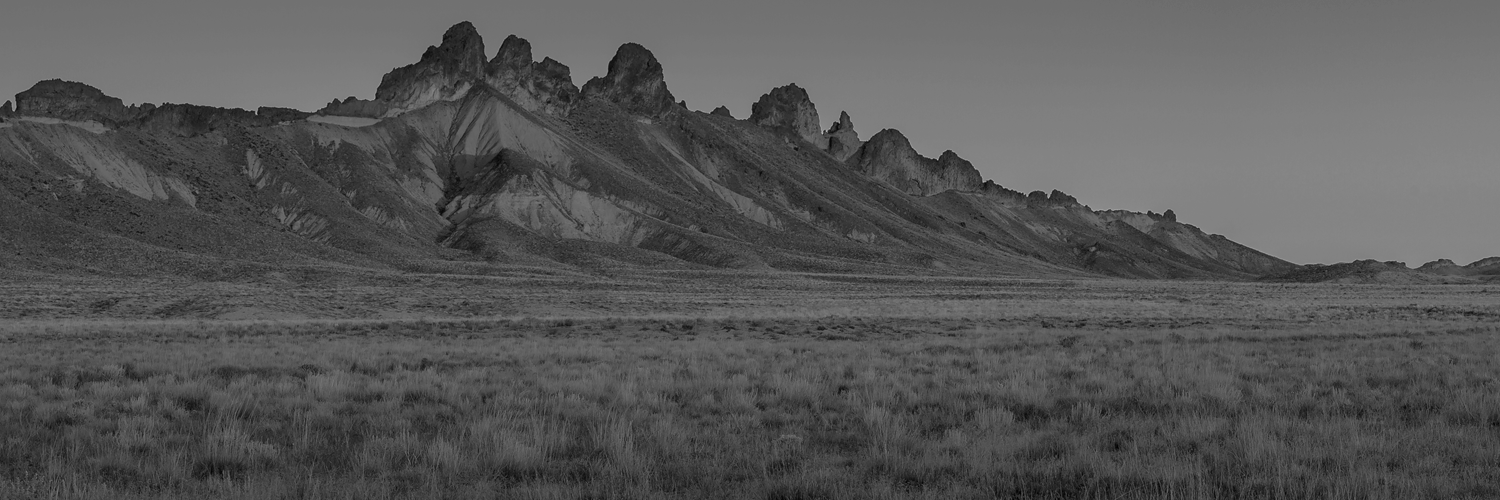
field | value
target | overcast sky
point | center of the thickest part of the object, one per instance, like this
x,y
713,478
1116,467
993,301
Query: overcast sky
x,y
1313,130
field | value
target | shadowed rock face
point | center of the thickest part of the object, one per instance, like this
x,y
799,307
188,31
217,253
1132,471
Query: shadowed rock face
x,y
353,106
277,115
634,81
5,110
74,101
544,87
843,141
720,111
789,109
889,157
188,120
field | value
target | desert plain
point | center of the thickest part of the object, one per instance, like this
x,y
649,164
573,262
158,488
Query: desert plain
x,y
738,384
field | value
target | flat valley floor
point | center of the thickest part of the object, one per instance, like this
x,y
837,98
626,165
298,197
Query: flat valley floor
x,y
697,384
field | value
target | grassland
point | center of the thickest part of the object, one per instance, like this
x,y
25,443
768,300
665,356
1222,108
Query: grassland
x,y
831,387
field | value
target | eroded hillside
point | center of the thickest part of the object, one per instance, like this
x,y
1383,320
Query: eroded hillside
x,y
464,163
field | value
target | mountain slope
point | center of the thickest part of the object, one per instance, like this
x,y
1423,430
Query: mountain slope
x,y
466,163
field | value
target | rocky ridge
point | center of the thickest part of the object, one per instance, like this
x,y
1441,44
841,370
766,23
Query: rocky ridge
x,y
889,157
509,151
1487,267
79,102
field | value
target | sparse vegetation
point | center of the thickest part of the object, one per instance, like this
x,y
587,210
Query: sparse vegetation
x,y
1194,394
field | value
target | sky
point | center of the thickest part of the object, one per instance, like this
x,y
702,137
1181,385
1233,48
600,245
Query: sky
x,y
1317,131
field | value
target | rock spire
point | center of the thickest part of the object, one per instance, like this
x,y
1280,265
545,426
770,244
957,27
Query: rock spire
x,y
634,81
789,109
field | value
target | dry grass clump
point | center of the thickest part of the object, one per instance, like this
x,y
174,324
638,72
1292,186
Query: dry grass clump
x,y
773,409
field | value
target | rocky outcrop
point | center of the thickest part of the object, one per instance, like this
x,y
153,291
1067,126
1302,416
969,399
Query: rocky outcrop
x,y
1442,266
1060,198
514,185
188,120
542,87
352,106
278,115
1487,262
634,81
788,109
80,102
719,111
841,139
5,110
889,157
445,72
75,101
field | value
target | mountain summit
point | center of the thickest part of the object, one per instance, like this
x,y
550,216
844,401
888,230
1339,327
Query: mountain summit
x,y
466,162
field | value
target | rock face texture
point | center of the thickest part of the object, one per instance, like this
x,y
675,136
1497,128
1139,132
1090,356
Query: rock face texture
x,y
634,81
508,164
842,140
5,110
789,109
719,111
74,101
543,87
889,157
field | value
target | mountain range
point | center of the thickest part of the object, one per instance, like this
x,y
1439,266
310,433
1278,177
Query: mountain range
x,y
466,162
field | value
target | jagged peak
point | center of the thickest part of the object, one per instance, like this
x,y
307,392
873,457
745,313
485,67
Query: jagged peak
x,y
842,140
844,124
461,39
788,108
722,111
447,66
635,81
461,47
514,53
545,86
6,110
890,136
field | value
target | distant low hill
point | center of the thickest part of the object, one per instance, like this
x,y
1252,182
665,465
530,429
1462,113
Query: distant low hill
x,y
467,163
1371,271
